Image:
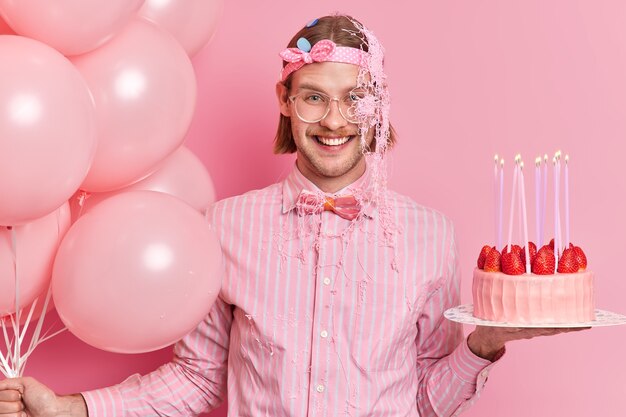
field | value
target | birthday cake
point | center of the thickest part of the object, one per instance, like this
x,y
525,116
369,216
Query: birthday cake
x,y
552,287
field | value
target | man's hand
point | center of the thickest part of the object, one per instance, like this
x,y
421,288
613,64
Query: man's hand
x,y
37,400
485,341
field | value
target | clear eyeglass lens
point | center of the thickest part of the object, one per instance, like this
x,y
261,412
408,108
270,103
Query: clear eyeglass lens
x,y
312,107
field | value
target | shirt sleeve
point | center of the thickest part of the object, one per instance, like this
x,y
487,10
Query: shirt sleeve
x,y
450,376
193,383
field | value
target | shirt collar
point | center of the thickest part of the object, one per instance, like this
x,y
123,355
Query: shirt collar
x,y
296,183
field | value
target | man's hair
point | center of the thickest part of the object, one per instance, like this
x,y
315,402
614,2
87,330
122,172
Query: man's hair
x,y
341,30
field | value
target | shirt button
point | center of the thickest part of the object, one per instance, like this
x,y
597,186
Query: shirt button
x,y
324,334
320,388
484,374
326,281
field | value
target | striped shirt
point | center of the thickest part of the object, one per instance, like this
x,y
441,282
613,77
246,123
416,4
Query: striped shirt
x,y
319,316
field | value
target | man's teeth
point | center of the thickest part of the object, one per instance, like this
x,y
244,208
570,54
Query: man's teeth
x,y
333,141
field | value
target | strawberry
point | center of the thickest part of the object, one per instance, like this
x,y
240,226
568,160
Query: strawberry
x,y
512,263
580,258
483,255
516,249
492,261
544,261
567,262
552,244
532,251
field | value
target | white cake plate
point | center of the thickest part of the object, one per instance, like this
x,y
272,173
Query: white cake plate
x,y
465,314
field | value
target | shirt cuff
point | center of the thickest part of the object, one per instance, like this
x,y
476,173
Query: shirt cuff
x,y
104,402
470,368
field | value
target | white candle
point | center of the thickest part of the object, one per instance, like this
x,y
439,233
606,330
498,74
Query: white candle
x,y
544,200
538,198
556,215
495,198
524,215
558,202
501,204
567,241
512,209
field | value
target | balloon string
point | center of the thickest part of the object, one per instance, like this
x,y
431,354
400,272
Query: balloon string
x,y
12,363
16,328
81,204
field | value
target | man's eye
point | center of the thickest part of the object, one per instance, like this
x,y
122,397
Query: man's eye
x,y
314,98
355,96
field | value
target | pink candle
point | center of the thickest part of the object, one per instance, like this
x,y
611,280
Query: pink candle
x,y
567,241
512,209
524,216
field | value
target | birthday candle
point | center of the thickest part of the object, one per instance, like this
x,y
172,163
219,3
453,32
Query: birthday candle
x,y
512,209
500,203
538,197
524,216
567,241
495,198
544,199
520,231
556,215
558,171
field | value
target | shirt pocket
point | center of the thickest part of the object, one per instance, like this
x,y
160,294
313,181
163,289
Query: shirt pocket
x,y
383,326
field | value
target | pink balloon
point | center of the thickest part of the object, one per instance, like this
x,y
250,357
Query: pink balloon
x,y
72,27
47,130
192,22
5,29
35,247
145,92
182,175
136,273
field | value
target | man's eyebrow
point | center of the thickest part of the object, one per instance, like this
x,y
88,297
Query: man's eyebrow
x,y
308,86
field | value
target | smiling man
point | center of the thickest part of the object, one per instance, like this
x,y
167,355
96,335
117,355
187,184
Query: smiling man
x,y
334,287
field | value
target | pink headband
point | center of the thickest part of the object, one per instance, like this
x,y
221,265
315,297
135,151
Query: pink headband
x,y
323,51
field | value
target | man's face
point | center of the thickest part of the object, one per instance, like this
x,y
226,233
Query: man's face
x,y
329,151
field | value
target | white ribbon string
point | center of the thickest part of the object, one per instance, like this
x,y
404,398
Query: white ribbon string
x,y
13,362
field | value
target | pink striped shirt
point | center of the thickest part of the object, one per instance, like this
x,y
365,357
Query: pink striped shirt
x,y
319,316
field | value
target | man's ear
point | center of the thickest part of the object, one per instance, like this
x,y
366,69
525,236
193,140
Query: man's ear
x,y
283,99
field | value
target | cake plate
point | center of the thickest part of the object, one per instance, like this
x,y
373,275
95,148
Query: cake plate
x,y
465,314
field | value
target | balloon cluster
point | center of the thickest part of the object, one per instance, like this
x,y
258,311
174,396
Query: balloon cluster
x,y
99,199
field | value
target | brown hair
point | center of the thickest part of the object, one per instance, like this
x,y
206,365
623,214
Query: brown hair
x,y
339,29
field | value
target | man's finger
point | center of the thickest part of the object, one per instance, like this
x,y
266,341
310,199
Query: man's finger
x,y
10,395
11,407
11,384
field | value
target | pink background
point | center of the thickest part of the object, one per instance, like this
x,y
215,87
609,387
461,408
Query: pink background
x,y
468,79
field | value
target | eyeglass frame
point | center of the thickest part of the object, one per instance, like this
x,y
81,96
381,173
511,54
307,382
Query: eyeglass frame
x,y
330,100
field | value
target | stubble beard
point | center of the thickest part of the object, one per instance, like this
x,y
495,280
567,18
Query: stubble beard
x,y
327,167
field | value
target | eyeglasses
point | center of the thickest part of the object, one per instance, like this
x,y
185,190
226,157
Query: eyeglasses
x,y
313,106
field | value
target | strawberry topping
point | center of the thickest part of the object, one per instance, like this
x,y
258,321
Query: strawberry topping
x,y
568,263
483,255
512,263
492,261
544,261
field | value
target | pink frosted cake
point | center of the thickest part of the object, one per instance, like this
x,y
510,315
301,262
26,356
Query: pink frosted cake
x,y
531,285
533,299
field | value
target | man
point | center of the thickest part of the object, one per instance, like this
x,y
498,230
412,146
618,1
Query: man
x,y
334,287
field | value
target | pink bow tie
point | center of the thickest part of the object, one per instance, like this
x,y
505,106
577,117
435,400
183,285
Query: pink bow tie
x,y
347,206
